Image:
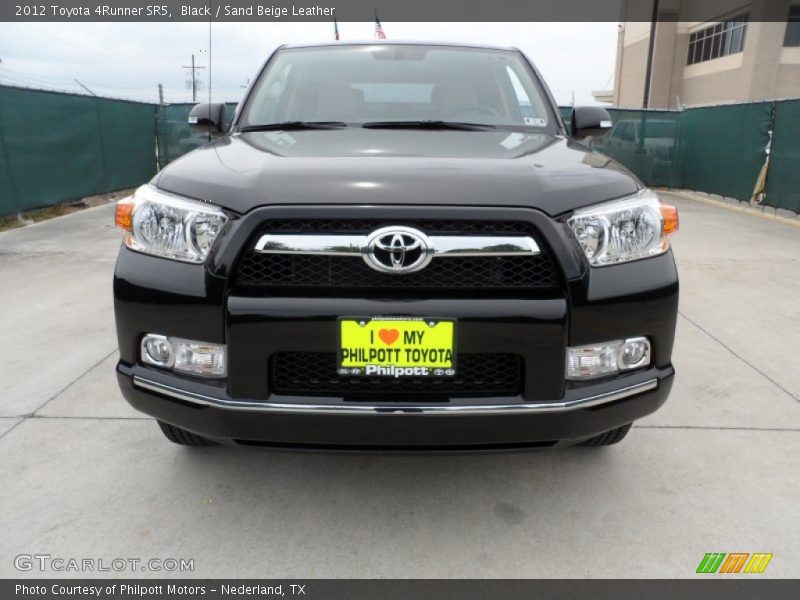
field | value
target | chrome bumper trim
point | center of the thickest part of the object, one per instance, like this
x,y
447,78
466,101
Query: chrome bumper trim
x,y
449,246
361,409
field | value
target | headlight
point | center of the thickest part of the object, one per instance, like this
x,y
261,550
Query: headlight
x,y
164,225
624,230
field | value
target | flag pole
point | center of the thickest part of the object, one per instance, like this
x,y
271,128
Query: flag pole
x,y
379,34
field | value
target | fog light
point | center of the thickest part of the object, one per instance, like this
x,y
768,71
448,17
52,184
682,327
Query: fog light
x,y
156,350
597,360
634,353
199,358
184,356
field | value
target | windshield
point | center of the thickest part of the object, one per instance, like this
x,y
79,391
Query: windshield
x,y
389,83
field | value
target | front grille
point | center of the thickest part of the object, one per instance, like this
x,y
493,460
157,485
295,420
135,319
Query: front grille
x,y
315,374
315,271
429,226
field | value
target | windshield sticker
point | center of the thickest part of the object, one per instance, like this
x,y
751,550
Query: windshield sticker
x,y
535,121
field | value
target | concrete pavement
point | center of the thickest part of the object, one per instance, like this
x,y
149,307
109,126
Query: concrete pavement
x,y
83,475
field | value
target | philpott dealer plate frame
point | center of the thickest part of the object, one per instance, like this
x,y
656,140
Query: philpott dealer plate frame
x,y
399,347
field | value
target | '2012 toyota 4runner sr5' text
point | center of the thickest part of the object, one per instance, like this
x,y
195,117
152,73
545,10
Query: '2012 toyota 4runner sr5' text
x,y
396,247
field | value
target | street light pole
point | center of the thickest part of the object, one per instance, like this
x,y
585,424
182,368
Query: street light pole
x,y
650,49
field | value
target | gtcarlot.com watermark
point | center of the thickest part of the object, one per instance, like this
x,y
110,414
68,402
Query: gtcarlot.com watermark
x,y
47,563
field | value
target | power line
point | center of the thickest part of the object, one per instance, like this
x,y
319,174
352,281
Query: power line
x,y
58,39
33,75
107,45
14,80
99,51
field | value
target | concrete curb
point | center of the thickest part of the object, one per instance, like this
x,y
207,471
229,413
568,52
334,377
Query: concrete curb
x,y
744,209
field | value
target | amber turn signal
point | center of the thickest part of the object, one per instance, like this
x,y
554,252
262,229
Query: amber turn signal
x,y
123,217
669,216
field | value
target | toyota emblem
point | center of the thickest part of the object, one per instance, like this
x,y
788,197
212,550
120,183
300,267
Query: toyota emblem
x,y
397,250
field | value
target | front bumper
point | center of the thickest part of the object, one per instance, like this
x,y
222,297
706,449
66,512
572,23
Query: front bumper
x,y
199,302
310,424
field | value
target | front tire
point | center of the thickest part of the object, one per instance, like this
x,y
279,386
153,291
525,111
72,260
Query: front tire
x,y
609,437
179,436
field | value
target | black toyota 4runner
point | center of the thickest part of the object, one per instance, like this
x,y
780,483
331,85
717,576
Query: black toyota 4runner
x,y
396,247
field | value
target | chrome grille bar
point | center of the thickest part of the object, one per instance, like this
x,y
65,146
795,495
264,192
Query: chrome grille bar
x,y
440,245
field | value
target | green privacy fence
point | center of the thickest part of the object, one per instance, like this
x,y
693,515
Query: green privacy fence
x,y
722,148
783,177
647,143
714,149
57,147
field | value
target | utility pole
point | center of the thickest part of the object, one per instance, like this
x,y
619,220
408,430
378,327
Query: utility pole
x,y
194,79
160,94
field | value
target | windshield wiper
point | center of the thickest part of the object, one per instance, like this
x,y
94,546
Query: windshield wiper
x,y
295,125
428,125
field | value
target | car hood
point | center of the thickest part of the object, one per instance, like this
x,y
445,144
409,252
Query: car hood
x,y
374,166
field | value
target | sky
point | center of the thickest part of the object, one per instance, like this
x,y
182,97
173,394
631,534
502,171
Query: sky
x,y
129,60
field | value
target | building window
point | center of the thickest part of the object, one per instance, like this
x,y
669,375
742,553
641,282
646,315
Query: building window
x,y
792,37
718,40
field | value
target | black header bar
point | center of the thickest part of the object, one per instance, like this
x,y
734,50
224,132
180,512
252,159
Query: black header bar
x,y
364,10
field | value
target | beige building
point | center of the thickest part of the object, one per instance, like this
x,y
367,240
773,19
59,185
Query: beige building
x,y
709,52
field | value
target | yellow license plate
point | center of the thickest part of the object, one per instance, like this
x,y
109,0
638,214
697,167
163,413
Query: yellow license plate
x,y
397,347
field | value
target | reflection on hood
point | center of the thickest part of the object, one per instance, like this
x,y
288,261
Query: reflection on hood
x,y
356,141
376,166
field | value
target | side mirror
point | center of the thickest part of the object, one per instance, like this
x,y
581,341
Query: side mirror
x,y
208,118
589,121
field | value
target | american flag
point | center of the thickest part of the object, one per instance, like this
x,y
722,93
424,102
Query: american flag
x,y
379,28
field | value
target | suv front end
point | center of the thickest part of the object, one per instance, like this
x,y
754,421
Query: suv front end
x,y
555,319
